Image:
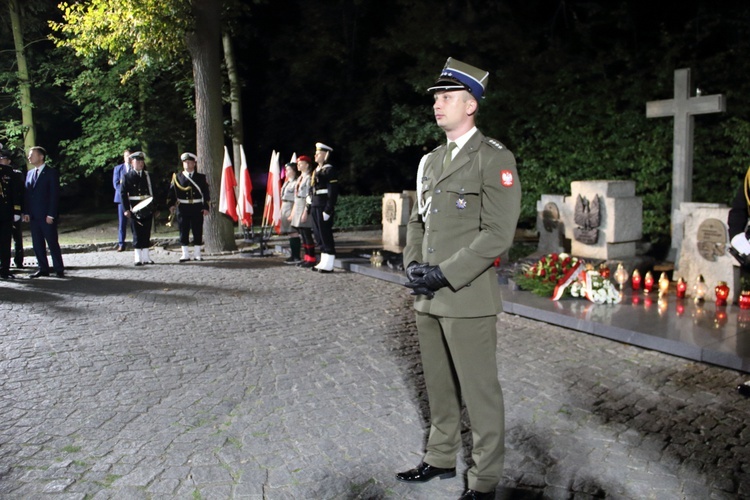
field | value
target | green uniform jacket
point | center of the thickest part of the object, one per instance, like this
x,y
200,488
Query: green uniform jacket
x,y
470,221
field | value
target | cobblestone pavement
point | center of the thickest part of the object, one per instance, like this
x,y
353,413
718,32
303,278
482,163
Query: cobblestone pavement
x,y
241,377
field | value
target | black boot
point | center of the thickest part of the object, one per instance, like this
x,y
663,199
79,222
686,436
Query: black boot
x,y
294,245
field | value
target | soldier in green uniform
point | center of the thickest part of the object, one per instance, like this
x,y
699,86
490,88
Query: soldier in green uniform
x,y
468,205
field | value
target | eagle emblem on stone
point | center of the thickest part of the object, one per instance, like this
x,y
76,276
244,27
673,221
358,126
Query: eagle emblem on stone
x,y
587,217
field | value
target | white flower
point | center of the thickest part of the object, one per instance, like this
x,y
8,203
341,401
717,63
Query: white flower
x,y
600,290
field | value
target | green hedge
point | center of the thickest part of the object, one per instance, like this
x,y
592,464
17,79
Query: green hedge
x,y
356,210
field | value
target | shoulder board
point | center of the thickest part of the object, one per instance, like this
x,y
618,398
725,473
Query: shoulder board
x,y
494,143
327,165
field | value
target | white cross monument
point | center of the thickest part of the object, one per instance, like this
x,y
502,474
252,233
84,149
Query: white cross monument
x,y
683,107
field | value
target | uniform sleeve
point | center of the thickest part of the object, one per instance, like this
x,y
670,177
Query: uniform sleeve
x,y
124,193
171,195
415,227
116,175
333,192
54,193
206,193
19,195
501,207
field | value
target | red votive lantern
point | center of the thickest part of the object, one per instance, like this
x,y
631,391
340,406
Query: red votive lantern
x,y
636,280
604,270
681,288
722,293
648,282
745,299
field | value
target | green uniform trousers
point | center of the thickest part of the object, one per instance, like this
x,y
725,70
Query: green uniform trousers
x,y
458,359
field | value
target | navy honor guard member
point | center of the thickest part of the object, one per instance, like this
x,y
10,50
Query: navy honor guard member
x,y
188,196
11,204
324,190
468,205
137,197
41,206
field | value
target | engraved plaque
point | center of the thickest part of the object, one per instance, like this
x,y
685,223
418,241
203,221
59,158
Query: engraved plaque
x,y
550,217
390,211
712,239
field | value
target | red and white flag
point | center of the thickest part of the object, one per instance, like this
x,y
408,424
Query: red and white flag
x,y
272,209
227,198
246,192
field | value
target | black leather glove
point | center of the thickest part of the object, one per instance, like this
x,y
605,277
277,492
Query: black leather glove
x,y
415,270
433,278
419,289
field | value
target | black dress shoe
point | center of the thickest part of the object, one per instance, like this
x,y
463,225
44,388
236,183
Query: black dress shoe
x,y
60,274
7,276
744,389
39,274
477,495
424,473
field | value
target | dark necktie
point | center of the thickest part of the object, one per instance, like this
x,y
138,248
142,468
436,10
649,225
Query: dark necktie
x,y
36,175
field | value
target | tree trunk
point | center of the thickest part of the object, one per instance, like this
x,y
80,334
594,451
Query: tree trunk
x,y
24,82
204,45
235,100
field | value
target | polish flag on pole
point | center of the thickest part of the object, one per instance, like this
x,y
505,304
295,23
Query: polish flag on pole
x,y
246,192
272,209
227,198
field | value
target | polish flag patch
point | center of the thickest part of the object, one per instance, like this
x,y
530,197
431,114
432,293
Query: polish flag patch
x,y
506,178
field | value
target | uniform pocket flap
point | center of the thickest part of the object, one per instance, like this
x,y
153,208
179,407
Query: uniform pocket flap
x,y
467,187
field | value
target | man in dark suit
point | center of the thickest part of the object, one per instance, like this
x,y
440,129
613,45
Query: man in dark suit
x,y
469,200
42,212
122,221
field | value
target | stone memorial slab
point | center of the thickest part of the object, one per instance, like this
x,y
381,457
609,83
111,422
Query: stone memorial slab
x,y
552,212
703,250
395,217
620,219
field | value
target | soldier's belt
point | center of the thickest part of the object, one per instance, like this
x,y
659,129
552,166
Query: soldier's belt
x,y
138,198
199,200
321,191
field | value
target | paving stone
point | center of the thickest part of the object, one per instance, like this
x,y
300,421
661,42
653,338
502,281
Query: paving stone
x,y
211,379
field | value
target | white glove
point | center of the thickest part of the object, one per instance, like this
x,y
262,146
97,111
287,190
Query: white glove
x,y
326,216
740,243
